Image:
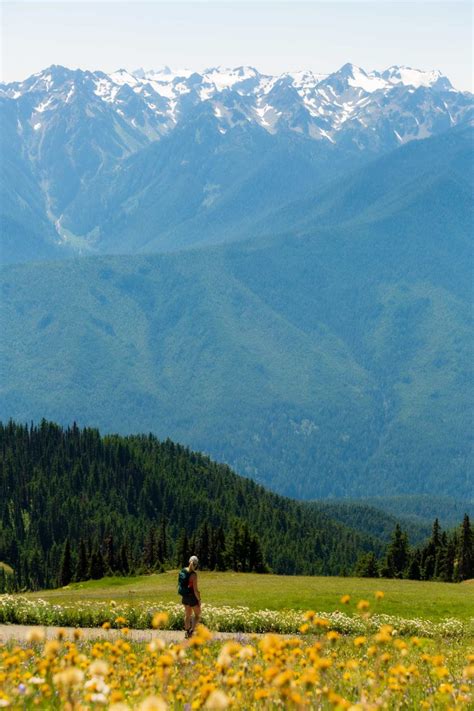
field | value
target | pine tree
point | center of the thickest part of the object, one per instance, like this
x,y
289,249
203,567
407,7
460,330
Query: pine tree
x,y
367,566
82,564
149,549
397,555
234,552
445,566
202,545
182,549
96,565
414,568
162,544
65,574
110,560
220,549
436,535
36,579
465,567
256,560
124,561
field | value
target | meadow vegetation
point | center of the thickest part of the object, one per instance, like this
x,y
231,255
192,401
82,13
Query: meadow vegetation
x,y
317,668
404,598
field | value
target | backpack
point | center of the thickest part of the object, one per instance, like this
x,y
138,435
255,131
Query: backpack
x,y
183,582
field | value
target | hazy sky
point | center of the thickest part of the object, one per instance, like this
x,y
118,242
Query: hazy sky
x,y
272,36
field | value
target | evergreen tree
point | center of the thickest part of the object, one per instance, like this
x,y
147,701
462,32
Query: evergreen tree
x,y
367,566
436,535
234,552
397,555
65,574
465,558
82,564
124,560
202,545
219,549
256,560
36,565
110,559
149,549
182,549
162,544
445,565
428,568
96,565
414,567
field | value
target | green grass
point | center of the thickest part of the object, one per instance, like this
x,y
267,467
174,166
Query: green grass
x,y
406,598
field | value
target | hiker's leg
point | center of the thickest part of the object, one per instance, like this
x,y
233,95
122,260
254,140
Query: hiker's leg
x,y
187,617
196,616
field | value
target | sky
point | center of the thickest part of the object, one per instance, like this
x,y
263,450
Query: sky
x,y
272,36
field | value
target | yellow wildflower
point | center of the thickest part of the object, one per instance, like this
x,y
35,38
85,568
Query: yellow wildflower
x,y
35,634
153,703
160,619
217,699
71,676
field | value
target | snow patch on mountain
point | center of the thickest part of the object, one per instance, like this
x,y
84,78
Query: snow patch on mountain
x,y
372,108
367,82
413,77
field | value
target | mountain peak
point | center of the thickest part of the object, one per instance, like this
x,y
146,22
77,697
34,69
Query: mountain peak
x,y
349,70
409,76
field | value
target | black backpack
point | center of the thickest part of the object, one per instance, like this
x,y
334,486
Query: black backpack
x,y
183,582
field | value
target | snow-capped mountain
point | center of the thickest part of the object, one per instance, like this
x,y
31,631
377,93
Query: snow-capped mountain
x,y
151,103
74,138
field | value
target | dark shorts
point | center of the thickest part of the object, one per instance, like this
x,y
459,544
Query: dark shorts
x,y
190,600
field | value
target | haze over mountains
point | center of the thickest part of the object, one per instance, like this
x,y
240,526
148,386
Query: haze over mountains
x,y
149,161
320,338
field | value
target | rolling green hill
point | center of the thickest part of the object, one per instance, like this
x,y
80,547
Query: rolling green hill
x,y
378,522
138,503
419,510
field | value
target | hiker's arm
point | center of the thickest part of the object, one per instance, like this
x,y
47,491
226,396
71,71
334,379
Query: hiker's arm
x,y
195,587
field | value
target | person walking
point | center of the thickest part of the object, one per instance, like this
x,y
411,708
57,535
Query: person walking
x,y
190,596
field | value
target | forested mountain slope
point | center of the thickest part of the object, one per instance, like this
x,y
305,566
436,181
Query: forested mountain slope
x,y
134,499
336,362
372,520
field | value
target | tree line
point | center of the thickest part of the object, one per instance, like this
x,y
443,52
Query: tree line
x,y
445,557
75,505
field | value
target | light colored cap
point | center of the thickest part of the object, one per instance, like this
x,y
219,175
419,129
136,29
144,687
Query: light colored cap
x,y
194,560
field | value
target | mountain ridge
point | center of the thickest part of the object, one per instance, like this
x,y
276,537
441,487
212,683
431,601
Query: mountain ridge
x,y
81,136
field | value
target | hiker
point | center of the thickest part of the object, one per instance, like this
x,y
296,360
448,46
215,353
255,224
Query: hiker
x,y
190,596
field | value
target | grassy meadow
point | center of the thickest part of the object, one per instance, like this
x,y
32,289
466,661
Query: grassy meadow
x,y
404,598
370,652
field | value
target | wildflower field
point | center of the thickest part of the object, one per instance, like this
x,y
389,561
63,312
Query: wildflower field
x,y
16,609
361,659
317,669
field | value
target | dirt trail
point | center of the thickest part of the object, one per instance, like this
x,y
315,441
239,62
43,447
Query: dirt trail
x,y
18,633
